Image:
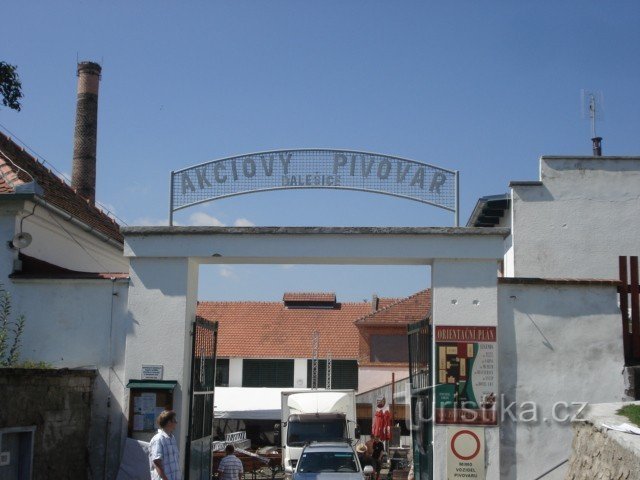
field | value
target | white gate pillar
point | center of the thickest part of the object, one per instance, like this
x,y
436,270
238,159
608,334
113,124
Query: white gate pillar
x,y
162,308
465,293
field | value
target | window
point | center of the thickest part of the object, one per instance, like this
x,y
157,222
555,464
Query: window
x,y
17,451
364,417
389,348
267,373
344,374
222,372
401,414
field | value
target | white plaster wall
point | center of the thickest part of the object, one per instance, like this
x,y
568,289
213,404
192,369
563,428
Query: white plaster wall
x,y
465,293
162,306
556,344
300,373
81,324
375,377
580,220
235,372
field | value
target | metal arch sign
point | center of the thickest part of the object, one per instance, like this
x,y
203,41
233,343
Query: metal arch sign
x,y
314,168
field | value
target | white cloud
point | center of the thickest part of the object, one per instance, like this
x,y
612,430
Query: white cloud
x,y
151,222
199,219
243,222
227,272
202,219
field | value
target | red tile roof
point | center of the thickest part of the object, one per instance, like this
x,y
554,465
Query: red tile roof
x,y
270,330
404,311
313,297
21,167
385,302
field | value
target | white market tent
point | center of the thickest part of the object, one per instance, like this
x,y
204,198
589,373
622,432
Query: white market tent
x,y
242,403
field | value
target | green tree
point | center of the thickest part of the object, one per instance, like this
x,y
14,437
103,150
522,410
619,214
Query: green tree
x,y
10,331
10,86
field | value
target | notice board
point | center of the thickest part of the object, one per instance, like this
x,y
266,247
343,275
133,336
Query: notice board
x,y
145,404
466,375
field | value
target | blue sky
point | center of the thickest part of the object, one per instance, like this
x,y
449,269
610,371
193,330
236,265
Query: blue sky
x,y
481,87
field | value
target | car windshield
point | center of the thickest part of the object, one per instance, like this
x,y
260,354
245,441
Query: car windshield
x,y
299,433
325,462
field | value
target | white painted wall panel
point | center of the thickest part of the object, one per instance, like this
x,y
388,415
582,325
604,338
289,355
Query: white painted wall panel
x,y
235,372
300,373
556,344
580,220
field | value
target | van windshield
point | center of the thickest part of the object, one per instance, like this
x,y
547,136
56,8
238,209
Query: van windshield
x,y
299,433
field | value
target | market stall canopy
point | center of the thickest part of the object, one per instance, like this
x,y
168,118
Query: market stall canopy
x,y
249,403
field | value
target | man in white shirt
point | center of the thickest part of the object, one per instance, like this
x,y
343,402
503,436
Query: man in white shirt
x,y
164,456
230,467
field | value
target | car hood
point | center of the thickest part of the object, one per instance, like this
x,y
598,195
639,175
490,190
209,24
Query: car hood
x,y
329,476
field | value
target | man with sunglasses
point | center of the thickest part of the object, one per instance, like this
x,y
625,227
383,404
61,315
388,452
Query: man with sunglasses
x,y
164,455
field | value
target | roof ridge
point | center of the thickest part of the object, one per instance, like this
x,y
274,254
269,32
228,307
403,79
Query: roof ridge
x,y
307,292
392,305
200,302
280,302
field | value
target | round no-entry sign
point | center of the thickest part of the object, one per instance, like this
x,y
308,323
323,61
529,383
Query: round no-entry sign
x,y
465,444
465,453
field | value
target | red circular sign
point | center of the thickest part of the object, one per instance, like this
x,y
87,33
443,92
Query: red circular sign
x,y
453,446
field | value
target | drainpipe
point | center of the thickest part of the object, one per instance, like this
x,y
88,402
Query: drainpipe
x,y
110,362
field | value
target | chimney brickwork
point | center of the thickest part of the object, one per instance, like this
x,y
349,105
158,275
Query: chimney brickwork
x,y
83,177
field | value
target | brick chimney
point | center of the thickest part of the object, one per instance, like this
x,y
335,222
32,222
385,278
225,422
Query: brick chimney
x,y
83,176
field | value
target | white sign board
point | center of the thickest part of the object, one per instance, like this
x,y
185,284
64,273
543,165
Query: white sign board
x,y
465,453
235,437
152,372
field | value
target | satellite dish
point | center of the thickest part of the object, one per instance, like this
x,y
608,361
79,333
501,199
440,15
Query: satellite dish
x,y
22,240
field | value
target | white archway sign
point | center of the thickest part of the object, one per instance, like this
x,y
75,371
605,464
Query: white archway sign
x,y
316,168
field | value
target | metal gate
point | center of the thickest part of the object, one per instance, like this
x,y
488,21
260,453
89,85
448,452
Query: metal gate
x,y
419,335
203,374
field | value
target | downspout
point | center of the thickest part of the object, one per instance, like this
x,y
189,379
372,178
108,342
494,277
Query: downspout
x,y
110,362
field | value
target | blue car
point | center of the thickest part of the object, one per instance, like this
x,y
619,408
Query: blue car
x,y
330,461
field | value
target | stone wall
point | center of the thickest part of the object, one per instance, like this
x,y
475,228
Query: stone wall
x,y
599,453
58,404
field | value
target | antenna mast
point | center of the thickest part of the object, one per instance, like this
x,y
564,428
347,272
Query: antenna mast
x,y
593,110
315,349
328,378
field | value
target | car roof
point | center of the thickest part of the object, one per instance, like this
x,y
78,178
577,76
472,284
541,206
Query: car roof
x,y
329,447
